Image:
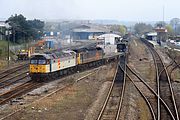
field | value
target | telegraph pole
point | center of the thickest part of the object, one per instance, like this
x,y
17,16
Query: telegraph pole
x,y
1,35
14,35
8,37
8,48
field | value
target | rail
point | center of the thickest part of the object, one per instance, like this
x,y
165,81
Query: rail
x,y
112,106
165,89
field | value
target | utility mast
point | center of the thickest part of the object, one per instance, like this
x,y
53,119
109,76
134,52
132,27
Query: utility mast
x,y
163,12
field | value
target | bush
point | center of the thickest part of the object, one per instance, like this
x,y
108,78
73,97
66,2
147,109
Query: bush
x,y
3,48
0,52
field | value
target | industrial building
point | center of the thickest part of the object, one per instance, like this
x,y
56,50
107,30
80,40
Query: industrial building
x,y
85,32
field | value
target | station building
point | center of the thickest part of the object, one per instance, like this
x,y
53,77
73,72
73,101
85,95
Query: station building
x,y
161,34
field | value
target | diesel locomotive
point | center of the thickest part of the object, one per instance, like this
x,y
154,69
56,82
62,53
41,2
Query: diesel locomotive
x,y
52,65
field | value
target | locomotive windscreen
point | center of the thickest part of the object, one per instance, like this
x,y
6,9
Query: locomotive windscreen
x,y
121,47
38,59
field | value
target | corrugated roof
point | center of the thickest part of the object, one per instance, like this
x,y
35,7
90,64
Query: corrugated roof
x,y
152,34
87,30
90,28
158,29
108,35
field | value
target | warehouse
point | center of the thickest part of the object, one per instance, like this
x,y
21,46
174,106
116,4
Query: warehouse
x,y
85,32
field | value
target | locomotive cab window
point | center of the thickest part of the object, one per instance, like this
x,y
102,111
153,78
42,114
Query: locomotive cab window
x,y
41,62
34,61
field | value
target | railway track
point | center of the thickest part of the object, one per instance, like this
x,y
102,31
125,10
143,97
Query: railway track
x,y
148,99
9,81
171,67
6,82
24,87
17,91
50,94
164,87
153,110
112,106
8,72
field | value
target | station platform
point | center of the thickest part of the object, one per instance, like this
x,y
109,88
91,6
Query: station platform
x,y
166,45
154,43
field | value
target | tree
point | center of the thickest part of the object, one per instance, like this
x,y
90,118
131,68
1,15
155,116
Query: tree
x,y
178,29
170,29
122,29
114,28
19,25
25,29
141,28
36,28
160,24
175,23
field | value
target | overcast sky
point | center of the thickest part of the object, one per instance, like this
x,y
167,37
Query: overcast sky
x,y
123,10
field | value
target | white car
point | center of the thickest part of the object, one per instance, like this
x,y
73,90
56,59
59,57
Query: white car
x,y
177,42
172,41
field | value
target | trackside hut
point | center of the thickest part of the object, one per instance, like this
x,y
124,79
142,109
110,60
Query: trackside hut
x,y
109,42
111,39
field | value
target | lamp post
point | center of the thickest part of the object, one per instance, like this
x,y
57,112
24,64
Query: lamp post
x,y
8,48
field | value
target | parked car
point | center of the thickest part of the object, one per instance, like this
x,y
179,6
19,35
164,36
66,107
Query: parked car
x,y
177,43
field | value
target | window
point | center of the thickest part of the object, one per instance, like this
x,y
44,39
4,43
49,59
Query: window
x,y
34,61
48,61
41,62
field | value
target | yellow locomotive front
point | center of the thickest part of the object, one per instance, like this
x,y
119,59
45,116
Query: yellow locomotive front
x,y
39,66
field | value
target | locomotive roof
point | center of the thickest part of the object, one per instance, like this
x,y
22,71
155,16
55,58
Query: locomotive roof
x,y
65,53
84,49
41,55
